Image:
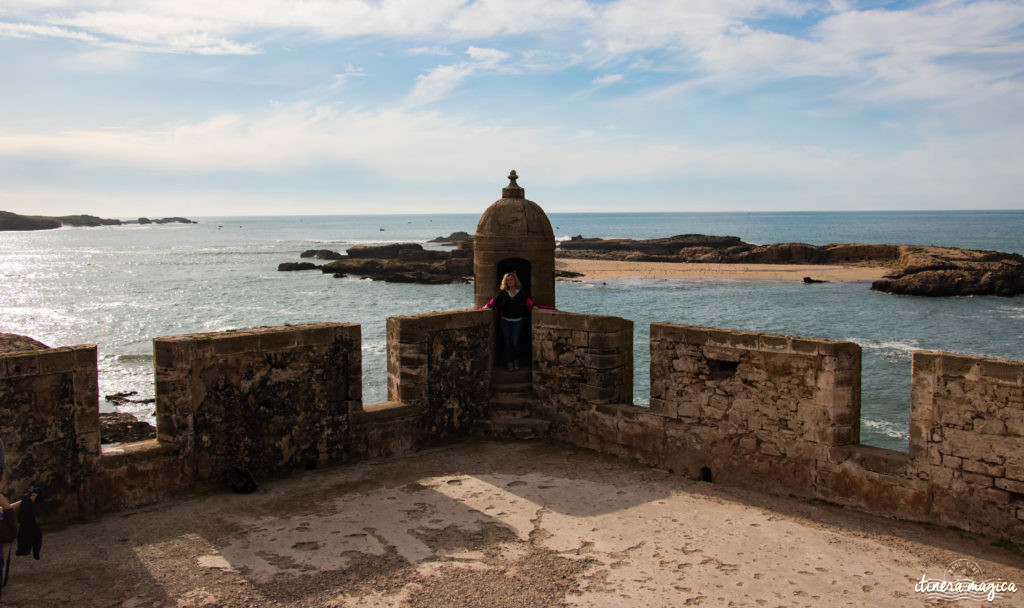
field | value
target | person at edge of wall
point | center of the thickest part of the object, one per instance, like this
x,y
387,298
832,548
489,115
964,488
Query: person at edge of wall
x,y
4,503
512,304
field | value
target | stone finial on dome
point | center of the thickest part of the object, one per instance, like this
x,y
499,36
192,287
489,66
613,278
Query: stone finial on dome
x,y
513,190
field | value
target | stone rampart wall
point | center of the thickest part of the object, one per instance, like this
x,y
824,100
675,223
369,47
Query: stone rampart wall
x,y
267,399
778,413
781,414
756,409
967,438
51,428
579,362
440,363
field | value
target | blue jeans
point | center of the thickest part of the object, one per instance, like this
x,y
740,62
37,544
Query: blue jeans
x,y
510,331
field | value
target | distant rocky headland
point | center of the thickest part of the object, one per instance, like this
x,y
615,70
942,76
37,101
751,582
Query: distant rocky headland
x,y
916,270
14,221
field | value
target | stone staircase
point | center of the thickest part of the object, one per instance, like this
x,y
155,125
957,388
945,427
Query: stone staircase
x,y
512,404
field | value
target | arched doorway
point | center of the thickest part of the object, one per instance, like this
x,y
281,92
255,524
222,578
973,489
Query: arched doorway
x,y
521,268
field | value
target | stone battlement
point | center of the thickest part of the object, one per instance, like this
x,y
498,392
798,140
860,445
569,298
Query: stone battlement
x,y
776,413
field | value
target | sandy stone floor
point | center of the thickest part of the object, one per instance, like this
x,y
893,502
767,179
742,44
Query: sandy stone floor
x,y
493,525
602,270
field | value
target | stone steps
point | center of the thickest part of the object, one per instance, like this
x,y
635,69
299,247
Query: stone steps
x,y
511,427
512,402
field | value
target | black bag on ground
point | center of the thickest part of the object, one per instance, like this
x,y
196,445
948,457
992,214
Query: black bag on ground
x,y
240,480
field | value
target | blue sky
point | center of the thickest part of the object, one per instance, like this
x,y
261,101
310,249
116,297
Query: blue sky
x,y
249,107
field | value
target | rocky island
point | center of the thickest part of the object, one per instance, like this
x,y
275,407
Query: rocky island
x,y
914,269
395,262
14,221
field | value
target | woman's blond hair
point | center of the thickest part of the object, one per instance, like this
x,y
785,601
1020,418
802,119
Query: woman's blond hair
x,y
510,281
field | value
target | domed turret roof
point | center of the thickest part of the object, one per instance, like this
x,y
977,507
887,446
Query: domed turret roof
x,y
514,216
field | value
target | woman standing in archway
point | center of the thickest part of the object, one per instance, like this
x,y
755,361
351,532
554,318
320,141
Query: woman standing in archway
x,y
512,304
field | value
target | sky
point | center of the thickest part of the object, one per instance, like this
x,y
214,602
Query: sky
x,y
266,107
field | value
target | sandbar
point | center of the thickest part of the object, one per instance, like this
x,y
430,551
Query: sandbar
x,y
600,270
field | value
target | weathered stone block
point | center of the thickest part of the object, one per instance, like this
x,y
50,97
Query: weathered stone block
x,y
733,338
603,359
608,340
163,353
950,365
771,342
235,344
803,346
979,480
319,334
22,365
85,357
1001,371
1010,485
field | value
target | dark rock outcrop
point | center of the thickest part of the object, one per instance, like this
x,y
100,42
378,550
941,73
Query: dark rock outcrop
x,y
453,239
290,266
452,270
664,246
120,427
175,220
946,271
382,252
726,250
321,254
393,262
13,221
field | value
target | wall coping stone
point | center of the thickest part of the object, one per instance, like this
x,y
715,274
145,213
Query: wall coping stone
x,y
113,457
387,410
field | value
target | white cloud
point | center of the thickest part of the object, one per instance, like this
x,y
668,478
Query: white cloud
x,y
349,73
432,147
607,79
443,79
486,57
428,50
438,83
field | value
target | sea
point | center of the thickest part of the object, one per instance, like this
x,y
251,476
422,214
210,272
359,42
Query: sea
x,y
121,286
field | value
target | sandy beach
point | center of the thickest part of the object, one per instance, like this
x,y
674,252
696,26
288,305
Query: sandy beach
x,y
613,269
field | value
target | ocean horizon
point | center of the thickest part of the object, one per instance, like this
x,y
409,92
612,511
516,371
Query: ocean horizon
x,y
121,286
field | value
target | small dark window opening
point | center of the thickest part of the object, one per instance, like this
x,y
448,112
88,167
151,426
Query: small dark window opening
x,y
705,474
722,370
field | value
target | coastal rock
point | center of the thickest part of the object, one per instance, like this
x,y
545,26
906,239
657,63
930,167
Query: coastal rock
x,y
452,270
175,220
946,271
145,220
13,221
453,239
290,266
120,427
662,246
383,252
421,255
14,343
321,254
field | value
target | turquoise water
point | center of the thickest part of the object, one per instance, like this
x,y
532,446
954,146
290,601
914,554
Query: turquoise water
x,y
119,287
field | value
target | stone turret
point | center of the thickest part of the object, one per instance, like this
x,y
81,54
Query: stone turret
x,y
514,235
